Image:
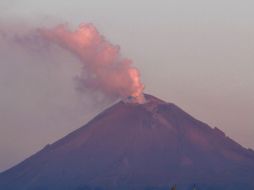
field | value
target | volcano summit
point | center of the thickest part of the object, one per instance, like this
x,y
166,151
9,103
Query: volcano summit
x,y
137,146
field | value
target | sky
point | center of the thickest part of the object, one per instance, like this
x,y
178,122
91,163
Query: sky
x,y
197,54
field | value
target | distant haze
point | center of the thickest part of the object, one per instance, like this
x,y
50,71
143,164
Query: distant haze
x,y
197,54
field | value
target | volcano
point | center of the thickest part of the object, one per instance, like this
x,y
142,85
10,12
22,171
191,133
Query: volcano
x,y
137,146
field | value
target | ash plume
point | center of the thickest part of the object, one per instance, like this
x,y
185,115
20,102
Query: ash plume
x,y
103,68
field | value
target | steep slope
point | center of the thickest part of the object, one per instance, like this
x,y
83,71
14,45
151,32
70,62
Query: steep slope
x,y
137,146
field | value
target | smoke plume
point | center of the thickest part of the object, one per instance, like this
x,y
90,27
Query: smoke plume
x,y
103,67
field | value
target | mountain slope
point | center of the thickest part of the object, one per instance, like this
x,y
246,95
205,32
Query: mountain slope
x,y
137,146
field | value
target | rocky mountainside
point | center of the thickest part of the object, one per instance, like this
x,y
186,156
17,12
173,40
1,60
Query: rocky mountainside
x,y
137,146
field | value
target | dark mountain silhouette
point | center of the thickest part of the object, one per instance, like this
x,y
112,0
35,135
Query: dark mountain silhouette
x,y
137,146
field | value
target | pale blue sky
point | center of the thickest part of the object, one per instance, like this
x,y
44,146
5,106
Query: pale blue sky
x,y
197,54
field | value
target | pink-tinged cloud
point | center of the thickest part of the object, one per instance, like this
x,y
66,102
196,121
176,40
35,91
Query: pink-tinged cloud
x,y
103,67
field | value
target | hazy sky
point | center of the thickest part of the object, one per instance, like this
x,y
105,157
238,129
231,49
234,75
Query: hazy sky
x,y
197,54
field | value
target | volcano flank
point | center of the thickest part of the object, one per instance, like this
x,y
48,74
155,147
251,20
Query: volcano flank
x,y
137,146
